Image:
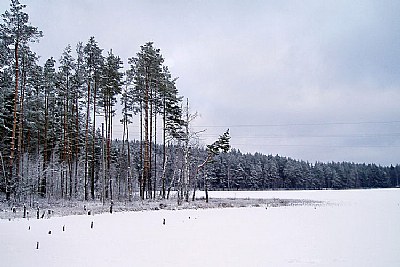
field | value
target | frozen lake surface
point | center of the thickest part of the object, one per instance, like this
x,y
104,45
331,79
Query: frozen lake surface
x,y
357,228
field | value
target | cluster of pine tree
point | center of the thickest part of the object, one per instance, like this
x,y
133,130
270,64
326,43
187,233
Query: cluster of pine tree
x,y
52,146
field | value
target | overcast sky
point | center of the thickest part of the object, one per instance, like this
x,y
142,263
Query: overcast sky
x,y
312,80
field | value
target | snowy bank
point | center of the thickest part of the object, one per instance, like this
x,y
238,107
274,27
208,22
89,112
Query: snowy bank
x,y
46,210
362,230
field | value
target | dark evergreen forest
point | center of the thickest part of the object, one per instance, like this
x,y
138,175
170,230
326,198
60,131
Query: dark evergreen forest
x,y
56,131
237,171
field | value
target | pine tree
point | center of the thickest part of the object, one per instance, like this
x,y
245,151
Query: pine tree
x,y
110,87
30,77
16,31
49,81
93,62
65,77
126,120
34,128
77,93
172,116
146,70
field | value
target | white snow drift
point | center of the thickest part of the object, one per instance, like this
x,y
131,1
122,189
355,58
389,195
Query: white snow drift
x,y
358,228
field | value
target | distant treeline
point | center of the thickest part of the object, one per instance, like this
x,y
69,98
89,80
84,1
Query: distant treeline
x,y
235,170
238,171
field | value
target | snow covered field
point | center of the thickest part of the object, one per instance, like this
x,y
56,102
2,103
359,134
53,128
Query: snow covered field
x,y
358,228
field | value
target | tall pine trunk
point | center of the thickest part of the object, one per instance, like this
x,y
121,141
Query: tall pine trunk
x,y
128,159
92,184
109,136
19,159
14,129
150,182
164,150
146,167
129,165
155,154
86,193
43,179
76,148
141,179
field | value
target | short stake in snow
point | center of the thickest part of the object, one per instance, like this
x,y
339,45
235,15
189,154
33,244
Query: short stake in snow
x,y
91,225
37,245
163,222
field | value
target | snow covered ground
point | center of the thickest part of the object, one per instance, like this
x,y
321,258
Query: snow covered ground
x,y
359,228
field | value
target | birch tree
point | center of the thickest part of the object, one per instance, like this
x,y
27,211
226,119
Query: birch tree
x,y
214,149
